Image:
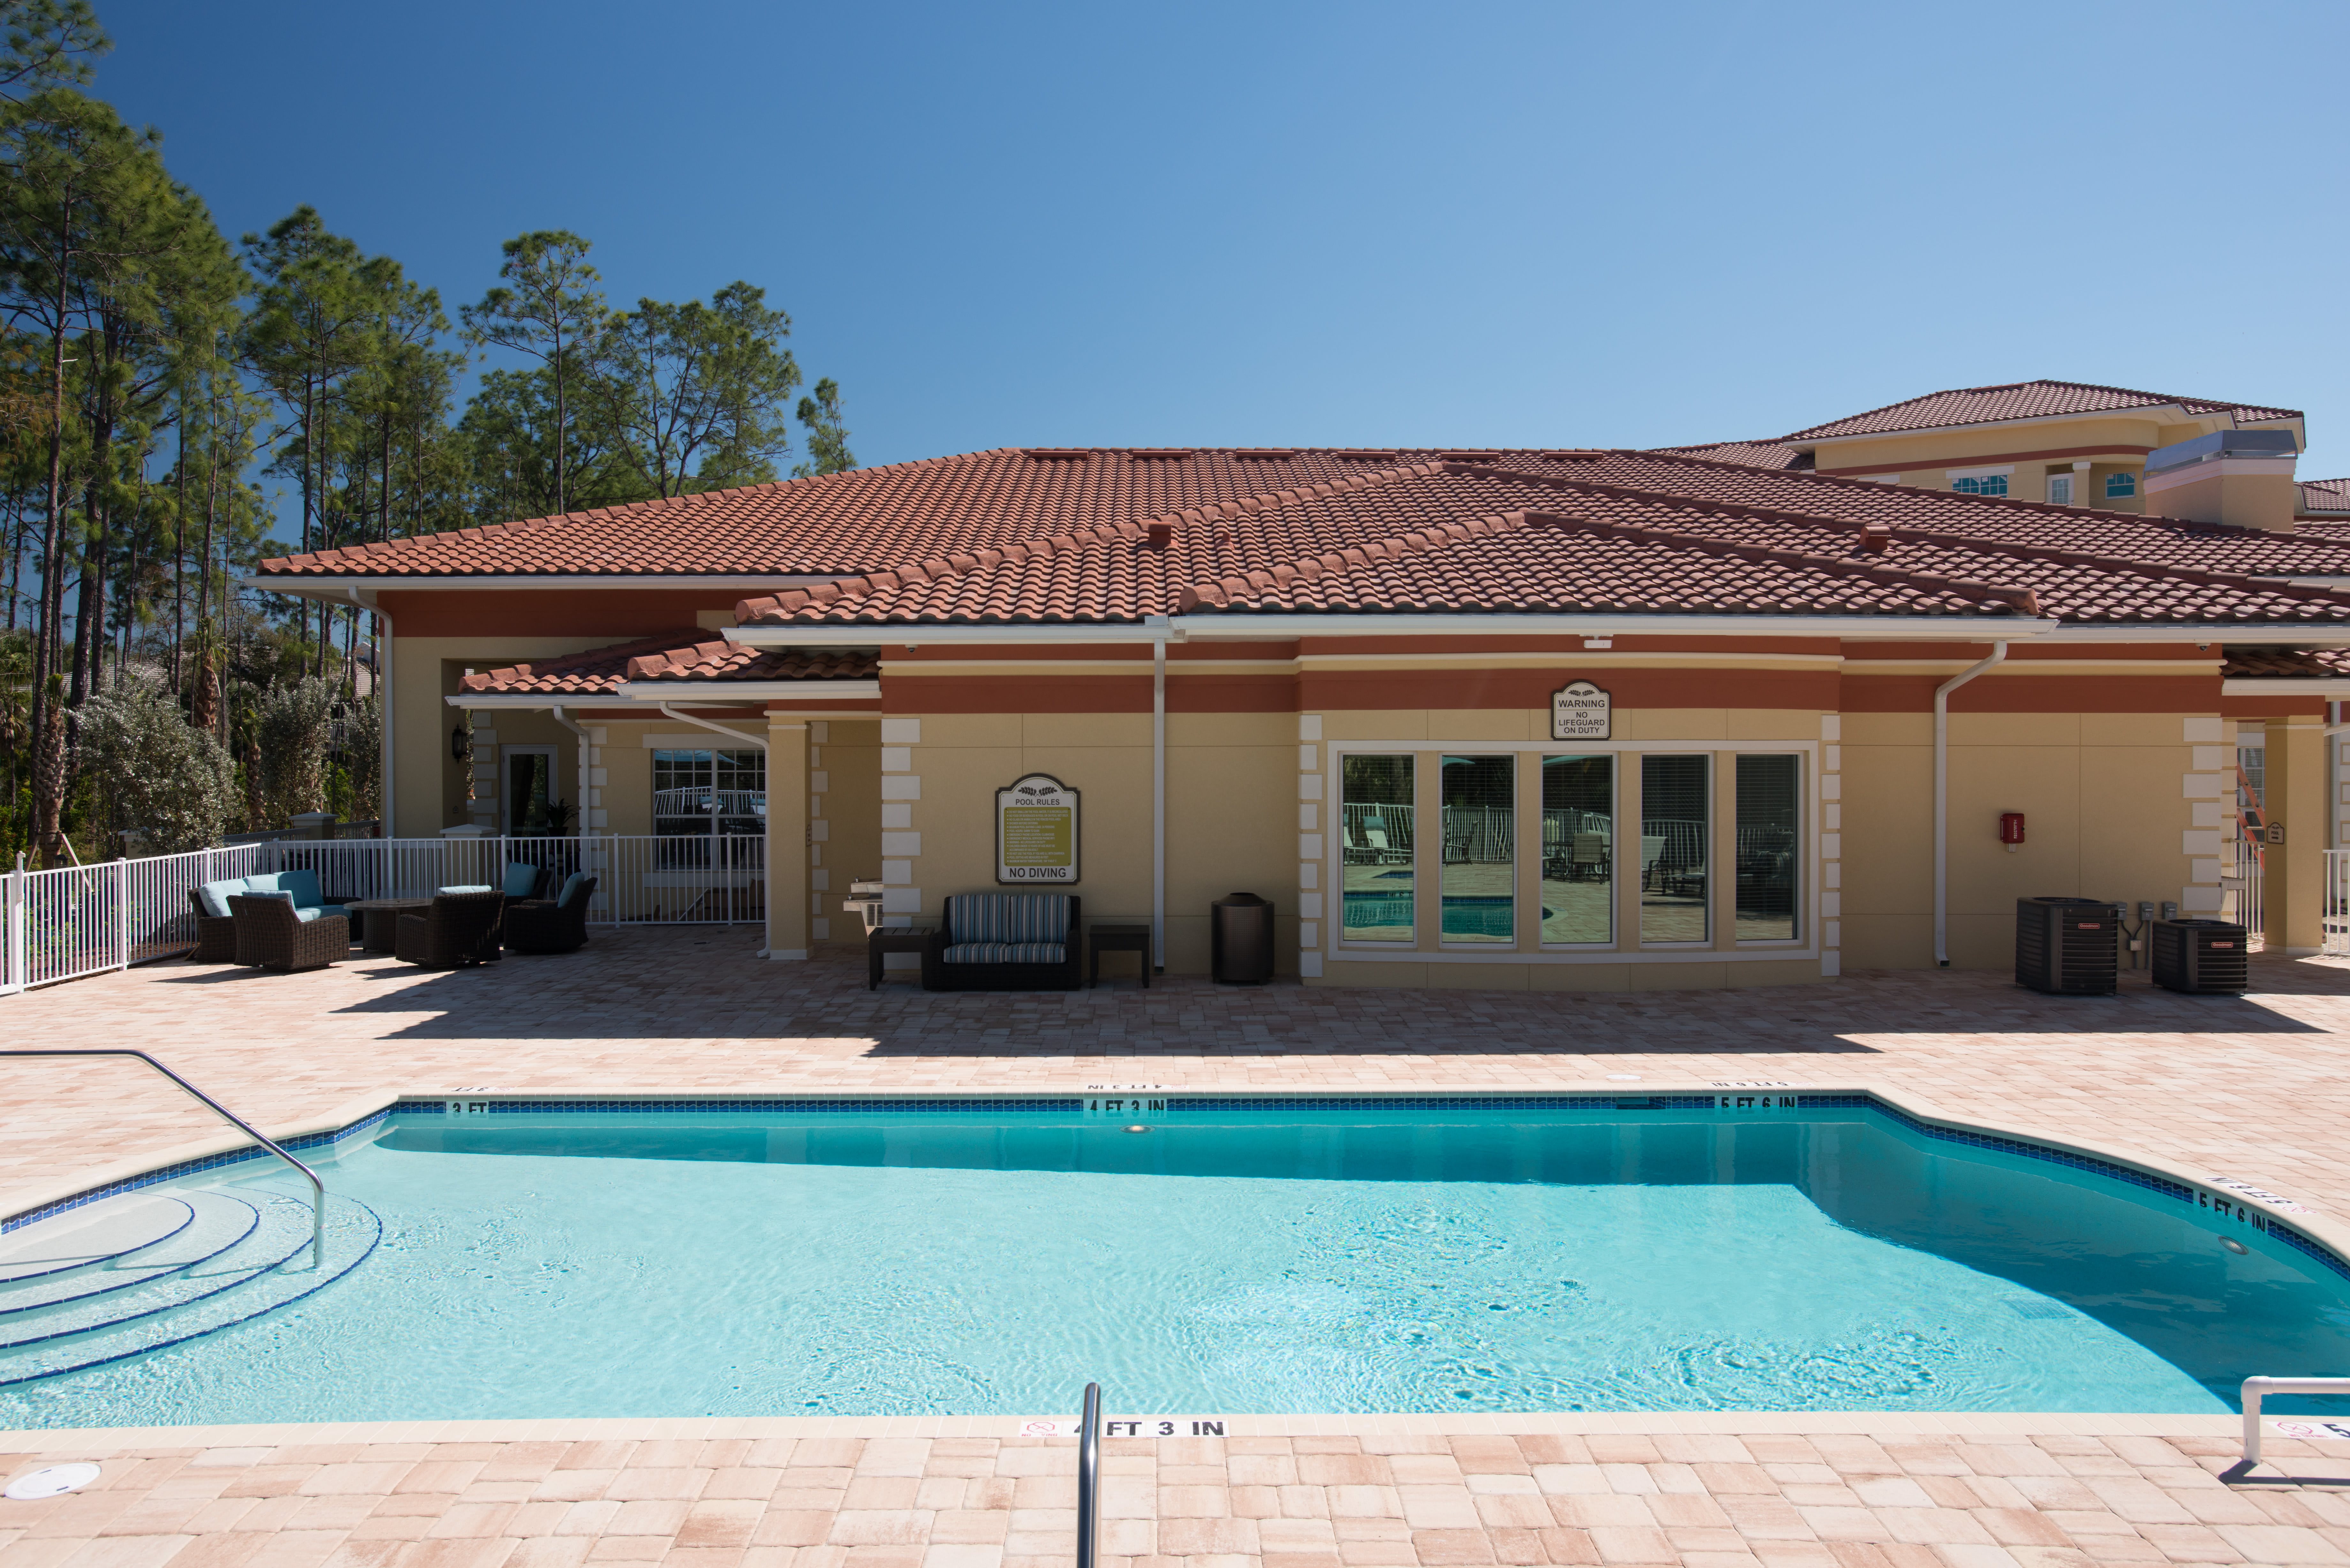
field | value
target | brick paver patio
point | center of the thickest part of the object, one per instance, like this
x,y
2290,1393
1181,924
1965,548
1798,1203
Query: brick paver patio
x,y
2253,1089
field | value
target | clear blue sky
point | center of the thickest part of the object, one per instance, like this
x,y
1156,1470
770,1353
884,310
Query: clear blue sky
x,y
1372,224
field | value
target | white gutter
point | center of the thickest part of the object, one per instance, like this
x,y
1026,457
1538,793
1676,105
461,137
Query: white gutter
x,y
1159,800
383,693
1249,628
579,793
1942,799
746,690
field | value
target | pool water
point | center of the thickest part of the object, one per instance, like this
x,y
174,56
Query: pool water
x,y
1236,1257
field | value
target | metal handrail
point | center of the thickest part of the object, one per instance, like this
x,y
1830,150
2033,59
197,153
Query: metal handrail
x,y
318,1188
2256,1386
1088,1476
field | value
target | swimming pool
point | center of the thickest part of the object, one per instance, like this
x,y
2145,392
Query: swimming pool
x,y
1240,1254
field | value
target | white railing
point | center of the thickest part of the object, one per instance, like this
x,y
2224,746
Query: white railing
x,y
2256,1386
79,921
2334,917
2246,877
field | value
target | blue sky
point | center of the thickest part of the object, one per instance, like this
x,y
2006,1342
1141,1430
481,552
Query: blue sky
x,y
1367,224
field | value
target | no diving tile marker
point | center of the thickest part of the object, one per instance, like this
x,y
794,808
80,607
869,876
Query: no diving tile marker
x,y
1132,1427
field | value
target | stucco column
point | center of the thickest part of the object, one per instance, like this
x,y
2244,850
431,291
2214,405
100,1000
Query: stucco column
x,y
2297,803
1628,851
787,839
1721,883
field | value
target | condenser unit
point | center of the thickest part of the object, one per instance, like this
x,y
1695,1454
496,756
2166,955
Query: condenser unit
x,y
2209,957
2070,946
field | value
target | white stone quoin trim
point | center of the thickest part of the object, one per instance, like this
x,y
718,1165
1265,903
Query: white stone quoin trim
x,y
1311,796
1831,836
2209,782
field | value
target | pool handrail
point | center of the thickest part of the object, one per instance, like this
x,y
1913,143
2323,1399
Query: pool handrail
x,y
2256,1386
318,1188
1089,1475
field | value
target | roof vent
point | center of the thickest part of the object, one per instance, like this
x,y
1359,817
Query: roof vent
x,y
1158,454
1572,454
1368,455
1158,535
1263,452
1876,539
1472,456
1058,453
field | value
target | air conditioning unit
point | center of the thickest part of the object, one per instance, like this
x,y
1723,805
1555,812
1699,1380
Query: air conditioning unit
x,y
2210,958
2068,946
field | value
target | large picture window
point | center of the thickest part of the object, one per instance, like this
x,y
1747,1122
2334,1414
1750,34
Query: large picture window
x,y
1579,887
1768,844
1376,860
706,793
1479,880
1676,807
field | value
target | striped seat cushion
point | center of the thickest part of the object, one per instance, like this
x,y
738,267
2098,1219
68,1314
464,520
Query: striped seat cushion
x,y
973,918
1008,952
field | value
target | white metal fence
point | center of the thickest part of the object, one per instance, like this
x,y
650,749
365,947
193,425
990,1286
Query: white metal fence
x,y
2335,918
80,920
2246,878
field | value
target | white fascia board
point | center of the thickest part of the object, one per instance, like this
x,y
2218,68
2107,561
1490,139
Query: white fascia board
x,y
534,699
1875,628
336,588
2251,632
911,635
2333,686
747,690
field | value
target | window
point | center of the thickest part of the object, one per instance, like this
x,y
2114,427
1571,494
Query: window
x,y
1768,844
703,792
1674,808
1578,848
1376,868
1981,484
1479,884
2120,485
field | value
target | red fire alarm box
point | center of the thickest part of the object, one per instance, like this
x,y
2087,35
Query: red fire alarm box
x,y
2011,828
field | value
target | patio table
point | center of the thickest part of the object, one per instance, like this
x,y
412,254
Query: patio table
x,y
383,920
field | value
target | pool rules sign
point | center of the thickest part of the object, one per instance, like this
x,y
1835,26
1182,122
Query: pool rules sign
x,y
1578,711
1035,832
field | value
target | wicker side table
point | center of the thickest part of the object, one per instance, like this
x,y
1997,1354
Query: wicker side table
x,y
886,940
1135,940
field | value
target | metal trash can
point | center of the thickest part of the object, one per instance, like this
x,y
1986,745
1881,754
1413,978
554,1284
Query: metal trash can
x,y
1241,935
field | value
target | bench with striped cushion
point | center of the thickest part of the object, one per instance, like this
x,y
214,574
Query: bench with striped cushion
x,y
1007,927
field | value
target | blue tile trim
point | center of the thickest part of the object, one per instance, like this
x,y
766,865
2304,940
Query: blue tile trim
x,y
189,1168
1441,1102
2015,1146
1065,1106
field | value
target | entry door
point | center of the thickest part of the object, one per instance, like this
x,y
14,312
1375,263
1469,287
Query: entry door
x,y
530,785
2060,489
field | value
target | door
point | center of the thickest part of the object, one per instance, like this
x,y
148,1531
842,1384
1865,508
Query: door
x,y
2060,489
529,786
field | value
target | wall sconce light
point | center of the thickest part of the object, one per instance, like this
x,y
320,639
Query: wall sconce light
x,y
460,742
2011,829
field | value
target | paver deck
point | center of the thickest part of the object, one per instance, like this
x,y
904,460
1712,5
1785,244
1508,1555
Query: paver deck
x,y
2252,1087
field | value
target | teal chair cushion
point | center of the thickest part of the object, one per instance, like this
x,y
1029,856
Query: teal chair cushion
x,y
571,885
262,882
215,895
304,886
468,888
521,880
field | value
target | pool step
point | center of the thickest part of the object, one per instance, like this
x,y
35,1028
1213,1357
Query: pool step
x,y
264,1271
214,1222
92,1235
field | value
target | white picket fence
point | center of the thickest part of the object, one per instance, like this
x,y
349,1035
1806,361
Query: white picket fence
x,y
79,921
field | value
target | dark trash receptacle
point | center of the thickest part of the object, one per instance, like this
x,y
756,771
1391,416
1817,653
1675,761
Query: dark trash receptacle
x,y
1242,937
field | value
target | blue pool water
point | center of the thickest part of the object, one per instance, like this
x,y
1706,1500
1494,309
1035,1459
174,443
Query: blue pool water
x,y
1236,1257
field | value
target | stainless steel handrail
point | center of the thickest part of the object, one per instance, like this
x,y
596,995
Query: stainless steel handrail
x,y
2256,1386
1090,1475
318,1188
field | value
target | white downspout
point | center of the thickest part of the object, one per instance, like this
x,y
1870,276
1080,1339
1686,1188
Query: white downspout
x,y
389,825
1158,799
1942,800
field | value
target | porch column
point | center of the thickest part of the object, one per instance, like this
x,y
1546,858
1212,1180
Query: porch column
x,y
2296,870
787,838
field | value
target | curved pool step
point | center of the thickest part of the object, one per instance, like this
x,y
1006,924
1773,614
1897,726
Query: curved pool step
x,y
281,1238
352,1233
92,1235
216,1222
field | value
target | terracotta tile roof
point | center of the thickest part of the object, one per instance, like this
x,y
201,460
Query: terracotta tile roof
x,y
1400,538
2325,495
2285,663
2121,535
1752,453
689,654
2022,400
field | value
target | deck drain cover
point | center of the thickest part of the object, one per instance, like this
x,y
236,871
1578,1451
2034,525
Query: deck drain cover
x,y
54,1481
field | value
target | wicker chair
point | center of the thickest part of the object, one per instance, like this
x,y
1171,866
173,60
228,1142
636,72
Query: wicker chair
x,y
550,925
460,929
215,934
270,935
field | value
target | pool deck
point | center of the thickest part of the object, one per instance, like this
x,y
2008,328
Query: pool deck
x,y
2255,1088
